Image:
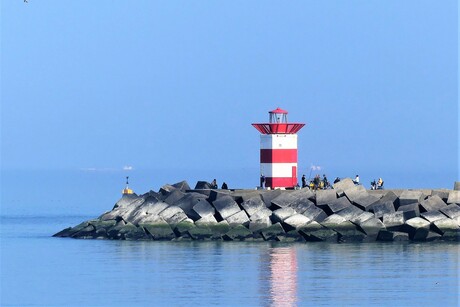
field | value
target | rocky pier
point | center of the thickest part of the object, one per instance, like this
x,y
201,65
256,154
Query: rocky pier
x,y
346,213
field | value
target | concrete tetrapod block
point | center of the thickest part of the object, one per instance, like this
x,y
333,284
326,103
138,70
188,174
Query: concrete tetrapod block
x,y
295,222
448,228
325,197
451,211
166,190
432,216
335,205
348,232
239,233
239,218
261,214
314,232
386,235
432,203
417,228
283,200
302,206
252,205
268,196
380,208
203,208
454,197
226,206
202,185
187,203
216,194
173,215
125,212
394,221
182,186
442,193
356,192
344,184
184,226
457,186
282,214
332,221
203,228
409,197
132,232
350,213
147,213
159,230
314,213
362,217
259,224
410,211
174,197
371,228
365,202
389,196
271,233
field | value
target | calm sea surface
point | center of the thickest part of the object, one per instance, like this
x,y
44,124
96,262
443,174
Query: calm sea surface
x,y
37,269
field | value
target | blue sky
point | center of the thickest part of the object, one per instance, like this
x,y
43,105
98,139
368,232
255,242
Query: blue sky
x,y
175,85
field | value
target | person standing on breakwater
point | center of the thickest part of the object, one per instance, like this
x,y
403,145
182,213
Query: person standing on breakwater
x,y
262,181
214,184
326,182
304,181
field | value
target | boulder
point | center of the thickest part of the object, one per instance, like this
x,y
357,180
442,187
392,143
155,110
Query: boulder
x,y
408,197
183,227
166,190
410,211
324,197
389,196
147,212
333,221
225,206
283,200
364,216
239,218
379,208
417,228
452,211
394,221
322,234
302,206
216,194
432,203
454,197
348,232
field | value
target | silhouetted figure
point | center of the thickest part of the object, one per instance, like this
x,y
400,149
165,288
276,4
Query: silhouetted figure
x,y
262,181
214,184
224,186
356,181
337,179
304,181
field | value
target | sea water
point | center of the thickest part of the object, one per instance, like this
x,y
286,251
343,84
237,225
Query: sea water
x,y
37,269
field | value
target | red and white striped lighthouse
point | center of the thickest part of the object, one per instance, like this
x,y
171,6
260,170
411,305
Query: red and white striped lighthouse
x,y
278,150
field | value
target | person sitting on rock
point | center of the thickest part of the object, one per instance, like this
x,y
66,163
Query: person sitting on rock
x,y
380,184
214,184
356,181
224,186
337,179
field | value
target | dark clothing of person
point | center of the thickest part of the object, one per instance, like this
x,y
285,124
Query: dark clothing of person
x,y
224,186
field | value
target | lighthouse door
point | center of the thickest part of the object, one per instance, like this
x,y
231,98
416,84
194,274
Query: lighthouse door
x,y
294,176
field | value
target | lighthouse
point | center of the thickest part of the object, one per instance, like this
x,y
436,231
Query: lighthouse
x,y
278,150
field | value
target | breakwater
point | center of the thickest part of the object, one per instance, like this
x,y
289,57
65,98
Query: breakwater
x,y
346,213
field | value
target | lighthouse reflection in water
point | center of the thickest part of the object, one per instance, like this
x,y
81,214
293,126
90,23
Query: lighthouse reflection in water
x,y
279,275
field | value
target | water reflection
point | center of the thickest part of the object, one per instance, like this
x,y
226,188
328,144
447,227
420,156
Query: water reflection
x,y
278,274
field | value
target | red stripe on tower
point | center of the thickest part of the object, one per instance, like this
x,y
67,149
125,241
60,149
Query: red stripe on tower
x,y
278,150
